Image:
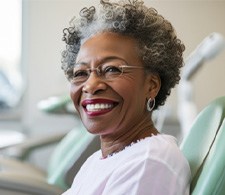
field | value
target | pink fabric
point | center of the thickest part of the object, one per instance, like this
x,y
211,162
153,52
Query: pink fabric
x,y
153,166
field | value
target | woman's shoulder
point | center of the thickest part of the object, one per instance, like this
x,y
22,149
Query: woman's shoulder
x,y
165,148
156,145
161,148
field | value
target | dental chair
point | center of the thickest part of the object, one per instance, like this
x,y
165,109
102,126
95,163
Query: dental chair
x,y
204,147
20,178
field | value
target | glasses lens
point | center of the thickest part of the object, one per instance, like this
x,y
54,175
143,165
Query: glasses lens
x,y
80,74
111,71
77,74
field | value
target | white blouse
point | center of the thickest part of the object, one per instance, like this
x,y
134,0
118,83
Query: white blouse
x,y
152,166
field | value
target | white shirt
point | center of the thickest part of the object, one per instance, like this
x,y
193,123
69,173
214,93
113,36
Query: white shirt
x,y
152,166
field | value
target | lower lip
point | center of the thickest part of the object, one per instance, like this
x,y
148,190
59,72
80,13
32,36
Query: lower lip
x,y
97,113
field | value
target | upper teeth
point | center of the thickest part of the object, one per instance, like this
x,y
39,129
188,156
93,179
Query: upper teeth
x,y
94,107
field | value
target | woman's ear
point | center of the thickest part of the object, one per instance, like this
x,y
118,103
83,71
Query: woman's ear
x,y
153,85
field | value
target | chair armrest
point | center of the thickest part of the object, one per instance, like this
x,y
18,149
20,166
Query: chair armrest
x,y
23,184
57,105
23,150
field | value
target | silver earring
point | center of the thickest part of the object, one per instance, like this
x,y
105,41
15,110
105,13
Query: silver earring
x,y
150,104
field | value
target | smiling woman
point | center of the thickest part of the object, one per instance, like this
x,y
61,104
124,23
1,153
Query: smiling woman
x,y
122,61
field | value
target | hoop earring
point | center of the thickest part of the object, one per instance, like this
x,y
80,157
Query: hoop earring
x,y
150,104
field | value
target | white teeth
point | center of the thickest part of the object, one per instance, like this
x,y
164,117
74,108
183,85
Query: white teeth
x,y
97,107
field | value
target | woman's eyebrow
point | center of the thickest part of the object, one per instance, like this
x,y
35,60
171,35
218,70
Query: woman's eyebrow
x,y
81,63
103,60
110,58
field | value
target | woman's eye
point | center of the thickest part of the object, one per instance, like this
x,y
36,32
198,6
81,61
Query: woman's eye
x,y
112,69
80,73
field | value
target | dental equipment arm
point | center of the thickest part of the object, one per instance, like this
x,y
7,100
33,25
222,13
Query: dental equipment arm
x,y
208,49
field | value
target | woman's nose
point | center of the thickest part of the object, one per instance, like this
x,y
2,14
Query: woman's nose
x,y
94,84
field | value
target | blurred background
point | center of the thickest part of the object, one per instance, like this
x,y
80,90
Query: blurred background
x,y
30,54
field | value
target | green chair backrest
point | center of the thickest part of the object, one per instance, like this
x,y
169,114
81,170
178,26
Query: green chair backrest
x,y
204,148
67,153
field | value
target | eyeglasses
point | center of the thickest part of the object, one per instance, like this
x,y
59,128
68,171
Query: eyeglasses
x,y
80,73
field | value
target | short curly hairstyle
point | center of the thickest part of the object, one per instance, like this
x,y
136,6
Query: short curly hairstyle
x,y
160,49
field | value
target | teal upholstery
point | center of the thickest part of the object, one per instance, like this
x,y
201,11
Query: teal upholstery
x,y
204,147
67,153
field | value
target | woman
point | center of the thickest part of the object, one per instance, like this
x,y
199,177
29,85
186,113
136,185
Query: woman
x,y
122,62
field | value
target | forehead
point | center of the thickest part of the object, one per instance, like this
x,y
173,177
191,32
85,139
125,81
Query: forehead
x,y
109,45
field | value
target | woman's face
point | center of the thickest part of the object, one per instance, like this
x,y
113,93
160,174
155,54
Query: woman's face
x,y
111,107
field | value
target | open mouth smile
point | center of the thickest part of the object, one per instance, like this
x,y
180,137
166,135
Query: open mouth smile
x,y
98,106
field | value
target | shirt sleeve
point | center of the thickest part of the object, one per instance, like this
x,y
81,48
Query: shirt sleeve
x,y
149,177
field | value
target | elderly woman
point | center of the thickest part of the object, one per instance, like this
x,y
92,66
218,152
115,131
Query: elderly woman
x,y
122,61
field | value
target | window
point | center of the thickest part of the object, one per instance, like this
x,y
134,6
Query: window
x,y
10,53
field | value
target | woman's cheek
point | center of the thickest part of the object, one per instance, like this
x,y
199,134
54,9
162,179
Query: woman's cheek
x,y
75,94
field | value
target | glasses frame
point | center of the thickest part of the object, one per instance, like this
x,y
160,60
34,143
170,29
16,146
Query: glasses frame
x,y
100,73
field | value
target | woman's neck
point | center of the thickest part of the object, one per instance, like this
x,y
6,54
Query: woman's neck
x,y
111,145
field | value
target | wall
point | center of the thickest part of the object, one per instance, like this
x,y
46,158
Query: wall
x,y
43,24
193,21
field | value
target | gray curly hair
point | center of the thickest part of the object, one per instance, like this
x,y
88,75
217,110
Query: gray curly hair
x,y
160,49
